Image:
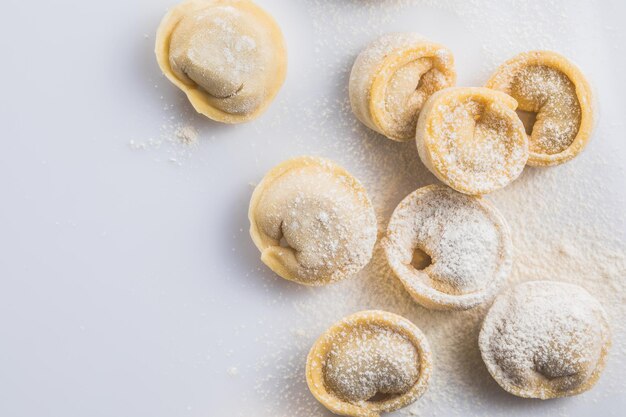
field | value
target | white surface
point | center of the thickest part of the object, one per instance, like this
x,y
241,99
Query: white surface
x,y
128,283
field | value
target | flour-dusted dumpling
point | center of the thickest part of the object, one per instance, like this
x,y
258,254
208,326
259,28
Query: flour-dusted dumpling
x,y
312,221
228,56
545,339
472,139
369,363
450,250
392,79
555,101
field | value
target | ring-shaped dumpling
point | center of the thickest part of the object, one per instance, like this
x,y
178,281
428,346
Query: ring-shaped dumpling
x,y
321,214
472,139
227,56
545,339
392,79
466,243
554,92
369,363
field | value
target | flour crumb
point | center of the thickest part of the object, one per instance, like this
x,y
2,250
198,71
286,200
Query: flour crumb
x,y
179,140
187,134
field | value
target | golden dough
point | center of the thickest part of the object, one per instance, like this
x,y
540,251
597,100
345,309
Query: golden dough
x,y
322,214
392,79
472,139
369,363
466,239
555,91
545,339
228,56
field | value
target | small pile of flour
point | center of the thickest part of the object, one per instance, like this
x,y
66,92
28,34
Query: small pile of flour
x,y
178,139
187,134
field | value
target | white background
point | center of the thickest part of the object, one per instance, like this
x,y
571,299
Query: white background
x,y
128,283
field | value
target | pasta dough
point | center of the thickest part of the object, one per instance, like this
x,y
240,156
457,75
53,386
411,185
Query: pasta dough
x,y
392,79
228,56
466,240
472,139
368,363
554,91
545,339
323,216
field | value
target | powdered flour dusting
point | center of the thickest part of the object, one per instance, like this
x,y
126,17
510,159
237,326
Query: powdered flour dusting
x,y
560,227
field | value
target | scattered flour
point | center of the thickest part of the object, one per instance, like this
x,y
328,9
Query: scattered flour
x,y
560,220
179,140
560,225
